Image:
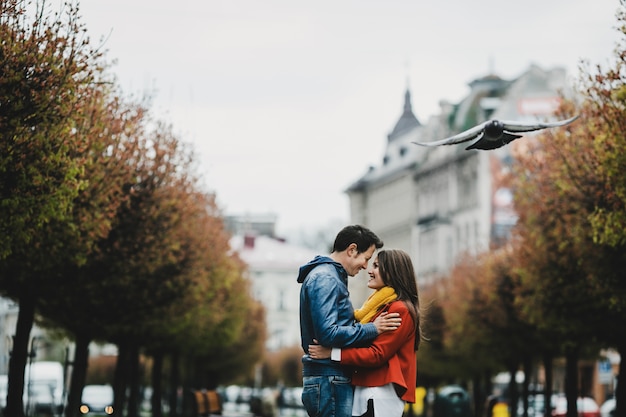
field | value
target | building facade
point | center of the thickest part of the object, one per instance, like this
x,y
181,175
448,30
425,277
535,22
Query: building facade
x,y
272,270
440,202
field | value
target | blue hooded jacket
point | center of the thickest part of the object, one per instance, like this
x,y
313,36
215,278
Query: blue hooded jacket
x,y
327,315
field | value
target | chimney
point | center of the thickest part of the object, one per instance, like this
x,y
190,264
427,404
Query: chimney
x,y
248,241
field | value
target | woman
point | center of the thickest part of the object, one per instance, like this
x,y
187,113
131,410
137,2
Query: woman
x,y
385,372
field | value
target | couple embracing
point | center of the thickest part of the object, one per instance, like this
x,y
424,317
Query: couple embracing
x,y
359,362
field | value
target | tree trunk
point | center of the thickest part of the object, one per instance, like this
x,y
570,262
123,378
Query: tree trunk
x,y
513,391
528,368
120,378
547,389
478,395
485,408
174,384
79,375
19,356
571,381
157,376
134,377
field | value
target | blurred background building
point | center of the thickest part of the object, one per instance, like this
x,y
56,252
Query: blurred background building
x,y
437,203
272,270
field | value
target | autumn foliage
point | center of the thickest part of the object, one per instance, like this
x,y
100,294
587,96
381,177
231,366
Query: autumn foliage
x,y
556,289
106,232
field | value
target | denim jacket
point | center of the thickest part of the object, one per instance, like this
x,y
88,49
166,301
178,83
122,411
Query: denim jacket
x,y
327,315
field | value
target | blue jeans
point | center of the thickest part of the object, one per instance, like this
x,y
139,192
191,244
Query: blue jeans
x,y
327,396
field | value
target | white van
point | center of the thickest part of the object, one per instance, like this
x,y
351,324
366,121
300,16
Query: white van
x,y
4,388
44,384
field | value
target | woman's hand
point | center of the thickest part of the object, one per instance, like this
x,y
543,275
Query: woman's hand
x,y
319,351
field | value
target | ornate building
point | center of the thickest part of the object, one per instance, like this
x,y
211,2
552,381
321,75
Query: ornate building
x,y
437,203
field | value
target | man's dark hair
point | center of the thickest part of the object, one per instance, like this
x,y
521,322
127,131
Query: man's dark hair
x,y
361,236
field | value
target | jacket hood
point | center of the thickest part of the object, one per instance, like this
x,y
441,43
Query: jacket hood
x,y
318,260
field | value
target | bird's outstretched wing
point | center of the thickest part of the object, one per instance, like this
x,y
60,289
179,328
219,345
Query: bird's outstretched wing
x,y
476,133
529,127
467,135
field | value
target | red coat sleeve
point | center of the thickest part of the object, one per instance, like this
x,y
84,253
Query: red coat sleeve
x,y
385,345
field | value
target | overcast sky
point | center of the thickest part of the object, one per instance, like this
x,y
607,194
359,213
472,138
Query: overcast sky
x,y
288,102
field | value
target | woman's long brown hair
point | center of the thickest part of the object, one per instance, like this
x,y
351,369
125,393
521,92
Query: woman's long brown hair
x,y
396,271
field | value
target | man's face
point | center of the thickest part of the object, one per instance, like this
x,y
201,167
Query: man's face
x,y
358,261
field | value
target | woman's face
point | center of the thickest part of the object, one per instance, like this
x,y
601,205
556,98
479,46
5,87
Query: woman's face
x,y
375,282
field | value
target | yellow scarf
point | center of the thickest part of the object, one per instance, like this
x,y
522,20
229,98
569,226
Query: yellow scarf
x,y
373,303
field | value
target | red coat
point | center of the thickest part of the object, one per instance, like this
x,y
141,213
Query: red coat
x,y
390,358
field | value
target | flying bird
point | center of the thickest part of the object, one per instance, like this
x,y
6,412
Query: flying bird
x,y
494,134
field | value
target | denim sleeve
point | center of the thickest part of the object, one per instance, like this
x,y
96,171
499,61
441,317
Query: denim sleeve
x,y
332,316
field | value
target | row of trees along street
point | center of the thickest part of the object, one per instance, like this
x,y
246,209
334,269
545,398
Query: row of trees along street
x,y
557,289
106,233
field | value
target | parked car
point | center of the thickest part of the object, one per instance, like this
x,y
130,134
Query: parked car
x,y
45,378
587,407
4,380
97,399
40,398
291,397
536,406
608,408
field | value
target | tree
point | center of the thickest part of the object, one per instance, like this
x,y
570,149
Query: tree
x,y
135,275
570,198
101,213
485,327
111,125
46,84
605,89
553,247
46,69
216,313
432,358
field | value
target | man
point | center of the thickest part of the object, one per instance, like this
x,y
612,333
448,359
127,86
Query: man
x,y
327,318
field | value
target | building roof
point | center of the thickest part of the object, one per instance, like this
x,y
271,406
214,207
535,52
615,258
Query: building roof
x,y
399,154
484,97
407,120
490,96
267,253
